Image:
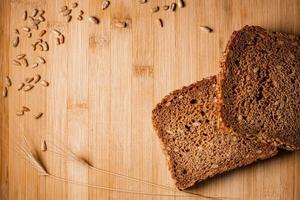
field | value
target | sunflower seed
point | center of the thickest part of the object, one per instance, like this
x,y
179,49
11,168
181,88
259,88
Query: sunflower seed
x,y
35,22
69,18
45,46
93,19
74,5
25,14
44,146
42,33
160,22
20,113
28,87
79,18
120,24
15,41
56,32
142,1
29,35
24,62
57,41
38,115
16,31
35,27
154,9
28,79
34,12
165,7
81,12
25,109
42,18
16,63
20,56
7,81
61,39
180,3
66,12
62,9
173,7
40,47
37,78
105,4
4,92
34,65
26,28
33,47
40,60
20,86
44,83
42,12
205,29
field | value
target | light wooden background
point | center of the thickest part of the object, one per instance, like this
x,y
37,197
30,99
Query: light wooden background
x,y
104,82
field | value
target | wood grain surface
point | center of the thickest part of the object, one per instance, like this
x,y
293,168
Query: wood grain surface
x,y
104,82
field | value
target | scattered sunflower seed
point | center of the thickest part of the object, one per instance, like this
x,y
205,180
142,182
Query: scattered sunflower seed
x,y
40,60
34,65
69,18
81,12
29,79
16,31
45,46
56,32
94,19
205,29
61,39
57,41
34,12
42,33
66,12
120,24
173,7
74,5
7,81
20,113
26,28
16,41
180,3
44,83
4,92
142,1
20,56
38,115
79,18
165,7
154,9
105,4
42,12
160,22
28,87
24,62
25,109
25,14
37,78
44,146
20,86
42,18
16,63
62,9
29,35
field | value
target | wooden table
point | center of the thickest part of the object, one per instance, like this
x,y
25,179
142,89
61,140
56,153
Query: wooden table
x,y
104,82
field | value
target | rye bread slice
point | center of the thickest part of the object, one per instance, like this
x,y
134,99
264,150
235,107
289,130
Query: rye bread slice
x,y
259,86
195,148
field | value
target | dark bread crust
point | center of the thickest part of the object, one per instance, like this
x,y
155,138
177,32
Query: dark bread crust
x,y
196,149
258,86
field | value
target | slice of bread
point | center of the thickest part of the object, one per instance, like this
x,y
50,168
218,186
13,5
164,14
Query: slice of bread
x,y
259,86
196,149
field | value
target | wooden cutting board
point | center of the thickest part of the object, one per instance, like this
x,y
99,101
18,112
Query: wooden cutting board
x,y
104,82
